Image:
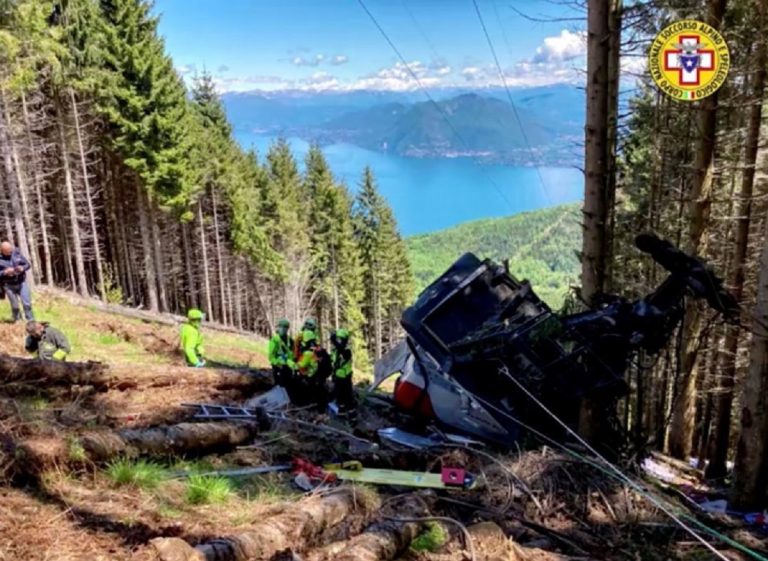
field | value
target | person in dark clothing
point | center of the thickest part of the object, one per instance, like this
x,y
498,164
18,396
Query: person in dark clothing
x,y
341,363
311,372
13,280
48,342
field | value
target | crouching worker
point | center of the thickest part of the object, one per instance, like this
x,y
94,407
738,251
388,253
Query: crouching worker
x,y
192,339
310,384
281,354
341,360
48,342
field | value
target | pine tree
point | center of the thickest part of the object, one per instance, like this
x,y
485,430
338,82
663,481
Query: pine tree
x,y
290,229
386,271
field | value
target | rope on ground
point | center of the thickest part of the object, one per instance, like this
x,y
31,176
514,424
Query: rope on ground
x,y
507,471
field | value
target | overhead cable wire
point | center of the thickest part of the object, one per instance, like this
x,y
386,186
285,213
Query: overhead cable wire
x,y
431,99
511,102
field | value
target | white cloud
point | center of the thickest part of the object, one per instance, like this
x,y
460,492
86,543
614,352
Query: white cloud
x,y
566,46
398,78
308,61
249,83
559,59
320,81
339,59
634,65
186,69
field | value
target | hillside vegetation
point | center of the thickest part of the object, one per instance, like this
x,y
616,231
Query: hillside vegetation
x,y
540,246
123,342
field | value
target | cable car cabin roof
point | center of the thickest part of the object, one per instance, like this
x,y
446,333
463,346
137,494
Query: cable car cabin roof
x,y
473,300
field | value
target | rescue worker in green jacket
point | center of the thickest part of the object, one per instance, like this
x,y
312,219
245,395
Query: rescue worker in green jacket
x,y
280,354
341,362
298,346
310,387
192,339
307,363
48,342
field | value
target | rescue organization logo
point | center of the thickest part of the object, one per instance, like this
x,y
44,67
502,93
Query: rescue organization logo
x,y
689,60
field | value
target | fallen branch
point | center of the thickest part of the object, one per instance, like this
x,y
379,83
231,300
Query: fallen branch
x,y
298,527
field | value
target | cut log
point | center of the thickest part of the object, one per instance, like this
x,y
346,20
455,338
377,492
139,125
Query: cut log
x,y
300,526
168,440
34,455
175,549
382,541
20,371
13,369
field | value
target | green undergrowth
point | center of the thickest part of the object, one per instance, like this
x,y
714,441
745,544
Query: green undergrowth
x,y
430,540
204,490
137,473
88,330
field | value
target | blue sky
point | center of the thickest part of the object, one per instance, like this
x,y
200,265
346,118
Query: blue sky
x,y
333,45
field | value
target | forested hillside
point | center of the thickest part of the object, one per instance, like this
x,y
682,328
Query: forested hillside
x,y
541,246
118,181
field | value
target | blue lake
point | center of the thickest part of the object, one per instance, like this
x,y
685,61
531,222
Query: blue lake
x,y
433,194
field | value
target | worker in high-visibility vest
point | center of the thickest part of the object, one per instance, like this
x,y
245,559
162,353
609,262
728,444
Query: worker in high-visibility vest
x,y
310,325
311,372
191,340
341,363
280,354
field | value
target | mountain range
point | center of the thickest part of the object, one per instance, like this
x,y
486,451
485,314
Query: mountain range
x,y
460,123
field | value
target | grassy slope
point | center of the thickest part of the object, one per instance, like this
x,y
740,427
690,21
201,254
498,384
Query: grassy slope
x,y
116,340
540,245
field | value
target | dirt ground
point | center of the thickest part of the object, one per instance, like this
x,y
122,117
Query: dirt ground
x,y
57,503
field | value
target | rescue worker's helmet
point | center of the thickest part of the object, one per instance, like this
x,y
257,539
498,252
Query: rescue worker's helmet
x,y
340,337
308,338
195,315
342,334
310,324
284,324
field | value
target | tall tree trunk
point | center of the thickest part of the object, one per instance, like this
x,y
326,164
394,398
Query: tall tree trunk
x,y
751,470
612,131
12,177
82,283
89,199
192,295
699,204
157,253
21,181
376,301
204,257
596,197
225,319
238,297
150,273
719,455
39,201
